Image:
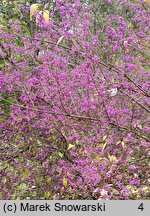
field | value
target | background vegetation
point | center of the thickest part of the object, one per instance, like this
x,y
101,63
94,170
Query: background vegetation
x,y
74,99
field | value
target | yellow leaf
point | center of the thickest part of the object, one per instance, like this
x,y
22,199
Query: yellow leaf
x,y
77,142
4,180
104,146
60,39
48,181
46,15
65,183
33,8
104,138
123,144
70,146
55,196
112,158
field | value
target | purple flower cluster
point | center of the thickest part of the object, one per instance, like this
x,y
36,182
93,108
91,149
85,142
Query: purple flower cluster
x,y
74,104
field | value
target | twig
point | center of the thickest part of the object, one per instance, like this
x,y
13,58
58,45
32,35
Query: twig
x,y
133,99
52,113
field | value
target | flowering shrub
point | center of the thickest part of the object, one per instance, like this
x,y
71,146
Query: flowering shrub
x,y
74,99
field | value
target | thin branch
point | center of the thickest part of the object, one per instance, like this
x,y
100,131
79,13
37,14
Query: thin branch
x,y
138,86
138,160
133,99
52,113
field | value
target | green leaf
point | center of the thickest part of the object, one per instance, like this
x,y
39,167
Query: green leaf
x,y
32,194
55,196
65,183
47,194
13,196
60,154
23,186
48,181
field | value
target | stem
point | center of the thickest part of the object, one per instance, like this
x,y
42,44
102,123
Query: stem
x,y
133,99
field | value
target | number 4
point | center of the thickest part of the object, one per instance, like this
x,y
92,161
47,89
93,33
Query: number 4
x,y
141,207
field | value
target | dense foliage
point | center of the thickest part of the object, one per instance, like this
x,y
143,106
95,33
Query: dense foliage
x,y
74,100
